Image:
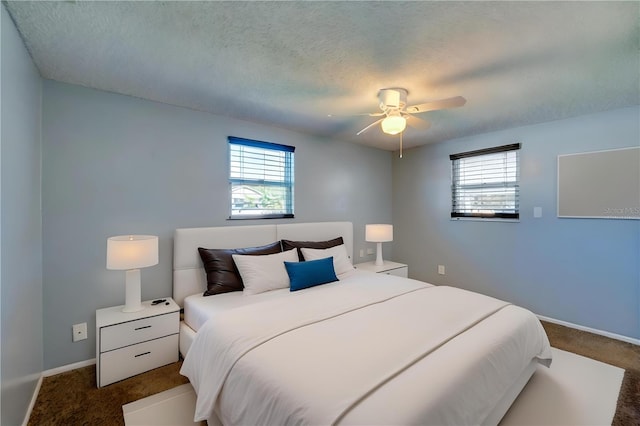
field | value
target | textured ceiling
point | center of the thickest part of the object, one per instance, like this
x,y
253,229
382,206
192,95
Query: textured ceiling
x,y
289,64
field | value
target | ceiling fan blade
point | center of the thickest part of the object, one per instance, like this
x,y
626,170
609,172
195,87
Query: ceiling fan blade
x,y
368,127
454,102
417,123
368,114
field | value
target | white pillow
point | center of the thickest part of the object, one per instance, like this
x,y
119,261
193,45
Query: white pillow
x,y
264,272
341,261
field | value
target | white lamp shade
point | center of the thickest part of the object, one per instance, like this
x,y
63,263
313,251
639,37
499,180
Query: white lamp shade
x,y
126,252
378,233
393,124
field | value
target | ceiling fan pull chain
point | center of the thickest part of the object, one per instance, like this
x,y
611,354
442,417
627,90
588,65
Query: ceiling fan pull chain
x,y
401,144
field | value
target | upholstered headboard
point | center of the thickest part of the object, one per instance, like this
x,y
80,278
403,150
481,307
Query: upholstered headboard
x,y
188,274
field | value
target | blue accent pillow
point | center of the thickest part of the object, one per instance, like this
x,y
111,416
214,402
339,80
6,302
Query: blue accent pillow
x,y
310,273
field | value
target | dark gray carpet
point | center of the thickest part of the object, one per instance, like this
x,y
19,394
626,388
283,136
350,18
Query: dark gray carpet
x,y
72,398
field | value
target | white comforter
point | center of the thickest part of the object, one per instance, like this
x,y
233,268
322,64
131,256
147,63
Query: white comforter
x,y
369,349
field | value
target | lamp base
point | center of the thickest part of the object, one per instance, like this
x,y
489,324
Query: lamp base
x,y
133,292
379,261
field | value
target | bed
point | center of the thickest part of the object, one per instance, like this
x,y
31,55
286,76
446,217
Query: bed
x,y
366,349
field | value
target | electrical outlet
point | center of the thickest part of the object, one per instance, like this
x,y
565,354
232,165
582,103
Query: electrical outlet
x,y
441,269
361,253
79,331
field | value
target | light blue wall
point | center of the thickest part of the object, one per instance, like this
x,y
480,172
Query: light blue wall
x,y
21,226
114,165
583,271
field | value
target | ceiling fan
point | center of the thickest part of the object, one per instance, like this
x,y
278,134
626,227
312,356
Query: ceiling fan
x,y
396,114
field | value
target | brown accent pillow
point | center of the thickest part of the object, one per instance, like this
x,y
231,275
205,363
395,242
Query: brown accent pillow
x,y
222,273
288,245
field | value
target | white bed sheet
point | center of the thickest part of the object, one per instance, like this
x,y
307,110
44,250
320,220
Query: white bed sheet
x,y
198,309
450,386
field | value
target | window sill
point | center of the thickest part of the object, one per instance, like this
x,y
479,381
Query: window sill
x,y
283,216
483,219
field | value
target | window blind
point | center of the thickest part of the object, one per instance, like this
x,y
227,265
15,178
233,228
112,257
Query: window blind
x,y
486,183
260,179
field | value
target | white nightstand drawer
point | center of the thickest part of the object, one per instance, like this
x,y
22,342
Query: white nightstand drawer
x,y
122,363
132,332
400,272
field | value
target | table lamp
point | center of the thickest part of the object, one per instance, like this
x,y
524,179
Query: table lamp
x,y
378,233
129,253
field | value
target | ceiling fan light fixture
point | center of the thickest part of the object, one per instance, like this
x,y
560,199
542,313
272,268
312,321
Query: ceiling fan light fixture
x,y
393,124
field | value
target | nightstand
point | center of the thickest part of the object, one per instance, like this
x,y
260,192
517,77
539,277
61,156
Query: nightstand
x,y
389,268
130,343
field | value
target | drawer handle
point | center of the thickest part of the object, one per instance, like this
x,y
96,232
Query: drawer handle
x,y
140,328
142,354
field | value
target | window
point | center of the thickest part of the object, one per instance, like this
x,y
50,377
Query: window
x,y
485,183
260,179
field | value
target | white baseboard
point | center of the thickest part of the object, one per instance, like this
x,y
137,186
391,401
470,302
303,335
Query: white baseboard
x,y
591,330
68,367
32,404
